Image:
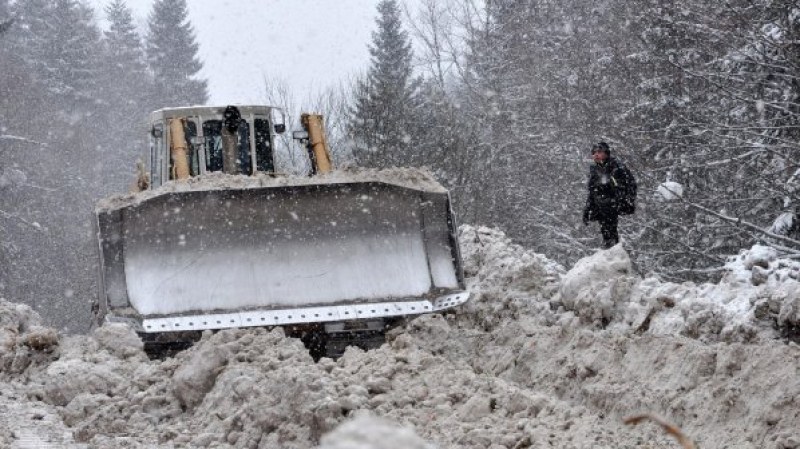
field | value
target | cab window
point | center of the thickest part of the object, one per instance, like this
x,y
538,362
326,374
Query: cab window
x,y
264,160
190,130
212,135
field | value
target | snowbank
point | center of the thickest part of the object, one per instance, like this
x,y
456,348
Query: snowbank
x,y
540,357
369,432
757,298
506,281
23,340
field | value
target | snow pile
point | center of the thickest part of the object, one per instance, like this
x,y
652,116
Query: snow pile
x,y
263,390
369,432
23,340
506,281
119,339
770,285
758,298
540,357
597,286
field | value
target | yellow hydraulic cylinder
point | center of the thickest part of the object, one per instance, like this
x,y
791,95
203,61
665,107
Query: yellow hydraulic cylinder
x,y
317,144
178,150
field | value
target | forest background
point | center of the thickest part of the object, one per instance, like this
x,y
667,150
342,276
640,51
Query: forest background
x,y
502,100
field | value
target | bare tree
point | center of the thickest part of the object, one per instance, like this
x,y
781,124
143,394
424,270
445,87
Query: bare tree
x,y
334,105
289,157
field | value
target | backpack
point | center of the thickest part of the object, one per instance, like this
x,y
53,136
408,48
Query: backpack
x,y
626,191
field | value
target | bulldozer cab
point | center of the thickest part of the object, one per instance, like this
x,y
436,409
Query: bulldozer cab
x,y
194,141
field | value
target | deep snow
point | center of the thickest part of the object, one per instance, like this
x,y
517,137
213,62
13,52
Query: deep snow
x,y
540,357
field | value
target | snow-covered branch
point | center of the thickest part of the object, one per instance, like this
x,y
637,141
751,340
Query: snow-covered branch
x,y
33,224
745,224
21,139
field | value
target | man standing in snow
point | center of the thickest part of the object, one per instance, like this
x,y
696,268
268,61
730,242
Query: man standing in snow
x,y
612,192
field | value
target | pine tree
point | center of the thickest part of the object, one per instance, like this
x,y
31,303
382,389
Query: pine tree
x,y
60,40
53,83
172,55
386,99
124,55
19,92
125,79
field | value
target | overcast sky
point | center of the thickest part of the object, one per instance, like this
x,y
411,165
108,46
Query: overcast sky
x,y
309,44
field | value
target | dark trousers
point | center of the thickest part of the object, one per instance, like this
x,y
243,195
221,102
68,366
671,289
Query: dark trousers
x,y
608,229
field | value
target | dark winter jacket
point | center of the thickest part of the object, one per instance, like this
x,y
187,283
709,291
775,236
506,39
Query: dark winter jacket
x,y
612,190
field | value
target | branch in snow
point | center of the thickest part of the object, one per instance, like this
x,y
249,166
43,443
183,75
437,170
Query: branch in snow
x,y
745,224
782,224
34,186
21,139
733,220
34,224
671,429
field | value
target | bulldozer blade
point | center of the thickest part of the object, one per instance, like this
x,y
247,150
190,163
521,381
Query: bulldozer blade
x,y
277,248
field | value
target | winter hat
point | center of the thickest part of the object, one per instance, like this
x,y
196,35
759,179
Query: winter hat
x,y
601,146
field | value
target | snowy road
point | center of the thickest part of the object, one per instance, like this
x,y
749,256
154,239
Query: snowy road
x,y
30,425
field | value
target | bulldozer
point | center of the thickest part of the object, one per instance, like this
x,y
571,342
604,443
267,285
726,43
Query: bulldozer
x,y
217,238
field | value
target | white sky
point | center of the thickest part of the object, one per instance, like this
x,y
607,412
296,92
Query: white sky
x,y
308,44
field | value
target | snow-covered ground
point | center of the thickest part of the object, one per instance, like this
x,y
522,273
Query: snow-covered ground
x,y
541,356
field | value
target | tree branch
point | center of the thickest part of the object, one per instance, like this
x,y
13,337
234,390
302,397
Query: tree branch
x,y
21,139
